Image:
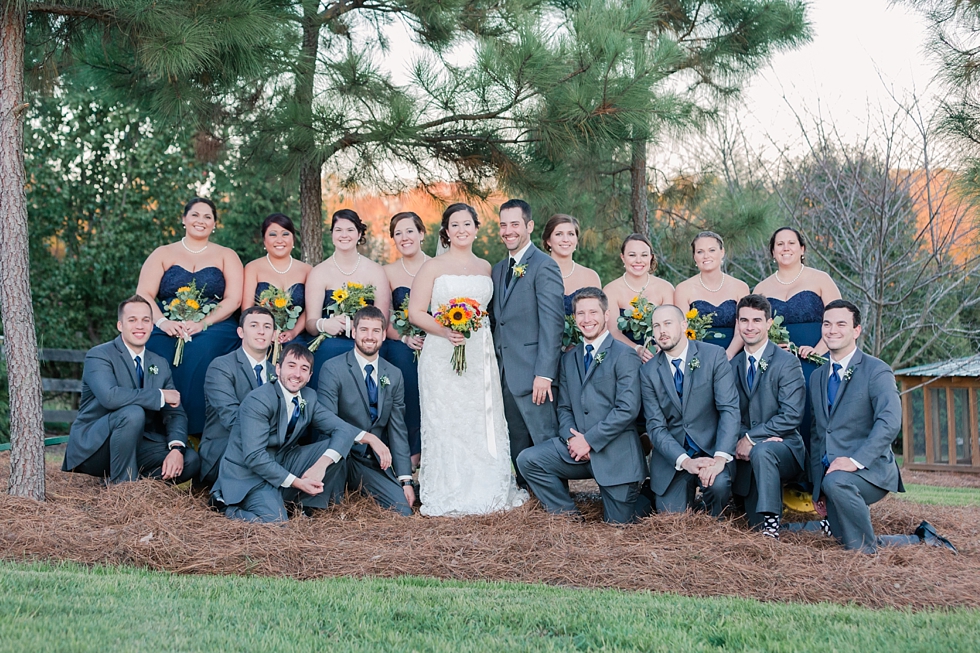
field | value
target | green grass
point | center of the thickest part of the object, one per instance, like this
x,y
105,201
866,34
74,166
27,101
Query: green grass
x,y
940,496
70,608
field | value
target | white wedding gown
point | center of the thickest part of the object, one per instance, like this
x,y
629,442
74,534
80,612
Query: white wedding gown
x,y
466,467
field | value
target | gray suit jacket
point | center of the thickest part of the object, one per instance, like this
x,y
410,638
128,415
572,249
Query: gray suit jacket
x,y
708,413
603,406
229,379
774,407
865,420
108,384
258,440
343,392
529,318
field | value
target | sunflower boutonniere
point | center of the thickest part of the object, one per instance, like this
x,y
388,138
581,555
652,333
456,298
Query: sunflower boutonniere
x,y
601,356
302,406
763,365
384,381
848,373
520,270
153,369
694,364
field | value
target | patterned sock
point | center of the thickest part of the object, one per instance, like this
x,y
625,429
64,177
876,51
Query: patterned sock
x,y
825,525
770,526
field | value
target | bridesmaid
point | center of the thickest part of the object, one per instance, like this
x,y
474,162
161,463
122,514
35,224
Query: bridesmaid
x,y
278,268
408,232
713,291
640,263
798,293
217,271
345,265
560,239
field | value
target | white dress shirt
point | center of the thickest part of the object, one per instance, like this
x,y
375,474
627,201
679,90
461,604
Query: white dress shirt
x,y
595,344
253,362
374,375
684,371
163,402
844,362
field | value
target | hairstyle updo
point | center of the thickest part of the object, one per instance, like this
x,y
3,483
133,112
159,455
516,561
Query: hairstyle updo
x,y
350,216
553,223
200,200
640,238
451,209
406,215
279,219
799,237
707,234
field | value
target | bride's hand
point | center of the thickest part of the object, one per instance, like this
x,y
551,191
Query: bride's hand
x,y
454,337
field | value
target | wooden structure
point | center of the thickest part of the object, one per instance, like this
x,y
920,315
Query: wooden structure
x,y
940,403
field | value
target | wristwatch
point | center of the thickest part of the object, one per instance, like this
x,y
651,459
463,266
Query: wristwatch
x,y
179,447
407,482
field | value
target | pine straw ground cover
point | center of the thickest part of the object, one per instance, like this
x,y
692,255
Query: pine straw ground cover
x,y
150,525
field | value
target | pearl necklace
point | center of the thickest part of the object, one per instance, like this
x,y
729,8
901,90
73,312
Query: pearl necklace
x,y
572,271
640,291
274,267
193,251
701,281
789,283
425,257
346,274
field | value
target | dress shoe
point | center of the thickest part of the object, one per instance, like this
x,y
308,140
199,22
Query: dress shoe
x,y
927,533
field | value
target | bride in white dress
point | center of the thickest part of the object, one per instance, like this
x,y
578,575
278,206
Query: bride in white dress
x,y
466,468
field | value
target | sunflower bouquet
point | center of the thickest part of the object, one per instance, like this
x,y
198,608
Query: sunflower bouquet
x,y
284,312
348,299
779,335
464,315
399,320
571,336
638,320
699,326
188,305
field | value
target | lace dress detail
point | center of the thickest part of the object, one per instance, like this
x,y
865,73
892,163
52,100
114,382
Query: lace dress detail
x,y
466,467
723,321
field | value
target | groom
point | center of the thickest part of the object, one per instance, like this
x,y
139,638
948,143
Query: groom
x,y
529,317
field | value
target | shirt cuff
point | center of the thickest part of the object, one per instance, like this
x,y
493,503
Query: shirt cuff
x,y
332,455
547,379
751,441
727,456
360,436
179,443
680,461
859,465
289,481
163,400
404,478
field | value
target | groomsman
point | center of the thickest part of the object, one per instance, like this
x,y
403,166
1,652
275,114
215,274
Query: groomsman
x,y
529,313
368,392
857,415
771,397
130,422
598,401
229,379
691,409
264,465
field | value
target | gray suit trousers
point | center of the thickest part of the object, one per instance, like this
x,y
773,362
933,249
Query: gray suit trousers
x,y
848,499
365,474
769,464
265,503
679,495
548,473
527,423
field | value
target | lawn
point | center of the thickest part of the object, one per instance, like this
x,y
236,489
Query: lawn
x,y
73,608
940,496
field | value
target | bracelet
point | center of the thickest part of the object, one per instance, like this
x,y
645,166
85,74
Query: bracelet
x,y
637,348
317,325
159,322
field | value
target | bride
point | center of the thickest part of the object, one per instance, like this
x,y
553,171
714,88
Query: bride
x,y
466,466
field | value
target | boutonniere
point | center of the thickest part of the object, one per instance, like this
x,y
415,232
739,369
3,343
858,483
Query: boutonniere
x,y
848,373
153,369
763,365
601,356
694,364
302,406
383,381
272,378
520,270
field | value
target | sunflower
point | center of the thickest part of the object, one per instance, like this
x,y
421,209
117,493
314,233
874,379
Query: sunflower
x,y
691,335
340,295
184,289
691,314
361,302
354,286
174,303
635,300
192,303
637,314
458,316
280,302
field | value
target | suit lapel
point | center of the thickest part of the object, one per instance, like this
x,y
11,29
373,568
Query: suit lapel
x,y
766,355
667,378
845,383
246,369
688,372
595,363
740,371
528,255
285,410
382,389
358,376
822,377
128,362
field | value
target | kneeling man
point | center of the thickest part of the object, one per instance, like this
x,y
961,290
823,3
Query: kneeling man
x,y
598,401
130,422
368,392
265,464
771,397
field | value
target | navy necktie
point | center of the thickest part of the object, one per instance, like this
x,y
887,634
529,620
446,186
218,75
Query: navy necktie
x,y
833,385
139,371
372,390
588,357
510,273
258,373
750,375
678,377
294,418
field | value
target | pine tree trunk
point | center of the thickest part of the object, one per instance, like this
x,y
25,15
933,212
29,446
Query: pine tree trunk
x,y
639,209
20,340
310,184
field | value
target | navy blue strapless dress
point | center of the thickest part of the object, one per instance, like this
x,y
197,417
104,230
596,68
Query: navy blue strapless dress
x,y
723,321
298,293
803,318
330,347
632,337
568,303
402,356
219,339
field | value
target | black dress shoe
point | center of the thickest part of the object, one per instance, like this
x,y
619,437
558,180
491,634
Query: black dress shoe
x,y
927,533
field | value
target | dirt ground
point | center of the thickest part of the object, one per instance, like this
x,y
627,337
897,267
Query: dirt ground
x,y
149,524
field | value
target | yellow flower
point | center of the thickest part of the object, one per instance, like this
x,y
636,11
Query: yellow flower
x,y
174,303
193,304
691,314
691,335
184,289
340,295
457,317
635,300
637,315
361,302
354,286
280,302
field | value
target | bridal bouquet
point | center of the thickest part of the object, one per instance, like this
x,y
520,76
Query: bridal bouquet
x,y
280,304
779,335
399,320
464,315
638,320
571,336
188,305
699,326
348,299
